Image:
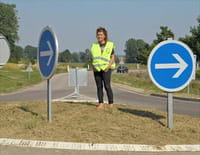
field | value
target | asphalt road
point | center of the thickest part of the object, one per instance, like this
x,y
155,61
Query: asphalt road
x,y
122,95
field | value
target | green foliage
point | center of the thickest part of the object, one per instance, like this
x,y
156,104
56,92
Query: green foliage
x,y
193,41
117,60
198,74
17,54
143,56
163,35
133,48
76,57
30,53
65,57
9,26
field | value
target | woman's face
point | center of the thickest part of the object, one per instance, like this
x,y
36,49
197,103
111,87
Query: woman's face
x,y
100,37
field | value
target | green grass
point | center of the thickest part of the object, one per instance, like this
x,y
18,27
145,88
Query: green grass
x,y
14,77
133,66
82,122
17,79
142,80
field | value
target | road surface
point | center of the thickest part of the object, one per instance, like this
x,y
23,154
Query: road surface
x,y
122,95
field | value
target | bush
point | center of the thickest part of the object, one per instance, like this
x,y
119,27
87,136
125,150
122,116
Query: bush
x,y
198,74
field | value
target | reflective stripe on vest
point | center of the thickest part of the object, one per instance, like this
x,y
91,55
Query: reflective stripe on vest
x,y
101,60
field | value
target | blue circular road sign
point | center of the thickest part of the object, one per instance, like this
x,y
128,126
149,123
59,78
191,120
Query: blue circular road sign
x,y
171,65
47,52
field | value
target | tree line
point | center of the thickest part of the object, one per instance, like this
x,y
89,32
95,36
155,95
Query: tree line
x,y
136,50
29,55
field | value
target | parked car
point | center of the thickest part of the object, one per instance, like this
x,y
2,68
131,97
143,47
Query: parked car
x,y
122,69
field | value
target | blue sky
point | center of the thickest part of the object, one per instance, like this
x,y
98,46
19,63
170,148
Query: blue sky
x,y
75,21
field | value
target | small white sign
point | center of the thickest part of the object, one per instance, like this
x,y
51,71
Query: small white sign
x,y
29,69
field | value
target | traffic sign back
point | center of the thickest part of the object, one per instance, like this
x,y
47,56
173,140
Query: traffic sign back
x,y
4,51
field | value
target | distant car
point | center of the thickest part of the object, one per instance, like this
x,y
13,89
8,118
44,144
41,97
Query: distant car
x,y
122,69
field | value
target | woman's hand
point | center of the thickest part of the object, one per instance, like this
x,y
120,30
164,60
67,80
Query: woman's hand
x,y
106,69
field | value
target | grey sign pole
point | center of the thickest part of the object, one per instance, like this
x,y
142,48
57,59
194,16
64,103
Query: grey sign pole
x,y
76,85
170,110
49,100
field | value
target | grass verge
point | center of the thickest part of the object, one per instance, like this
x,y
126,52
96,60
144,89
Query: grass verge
x,y
16,78
76,122
142,80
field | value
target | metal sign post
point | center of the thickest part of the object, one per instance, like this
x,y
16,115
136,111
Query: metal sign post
x,y
75,80
170,110
47,60
170,67
49,100
76,83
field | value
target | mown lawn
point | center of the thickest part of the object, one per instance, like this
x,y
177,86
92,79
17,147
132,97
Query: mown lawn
x,y
82,122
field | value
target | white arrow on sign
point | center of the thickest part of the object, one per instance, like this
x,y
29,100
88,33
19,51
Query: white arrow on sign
x,y
182,65
48,53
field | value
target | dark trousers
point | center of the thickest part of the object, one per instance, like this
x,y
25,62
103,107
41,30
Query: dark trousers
x,y
103,78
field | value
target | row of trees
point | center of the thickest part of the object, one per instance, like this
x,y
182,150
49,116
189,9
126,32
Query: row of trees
x,y
29,55
68,57
137,50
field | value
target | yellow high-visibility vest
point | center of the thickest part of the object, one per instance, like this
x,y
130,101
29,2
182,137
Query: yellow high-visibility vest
x,y
100,59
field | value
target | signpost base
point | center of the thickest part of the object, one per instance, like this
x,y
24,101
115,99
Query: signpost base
x,y
170,110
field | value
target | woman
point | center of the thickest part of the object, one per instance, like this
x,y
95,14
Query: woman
x,y
103,59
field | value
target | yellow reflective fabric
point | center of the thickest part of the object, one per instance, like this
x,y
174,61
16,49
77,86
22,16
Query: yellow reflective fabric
x,y
100,59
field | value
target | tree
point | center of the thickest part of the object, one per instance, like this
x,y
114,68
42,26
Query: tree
x,y
117,59
163,35
65,56
133,48
9,26
143,56
30,52
193,41
75,57
17,54
83,56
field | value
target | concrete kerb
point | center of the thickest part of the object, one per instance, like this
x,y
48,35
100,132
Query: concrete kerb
x,y
81,99
75,101
176,97
97,147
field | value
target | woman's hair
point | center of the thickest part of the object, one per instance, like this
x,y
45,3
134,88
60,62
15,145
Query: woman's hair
x,y
102,29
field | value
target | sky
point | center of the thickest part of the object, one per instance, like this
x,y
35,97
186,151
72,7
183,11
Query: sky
x,y
75,21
